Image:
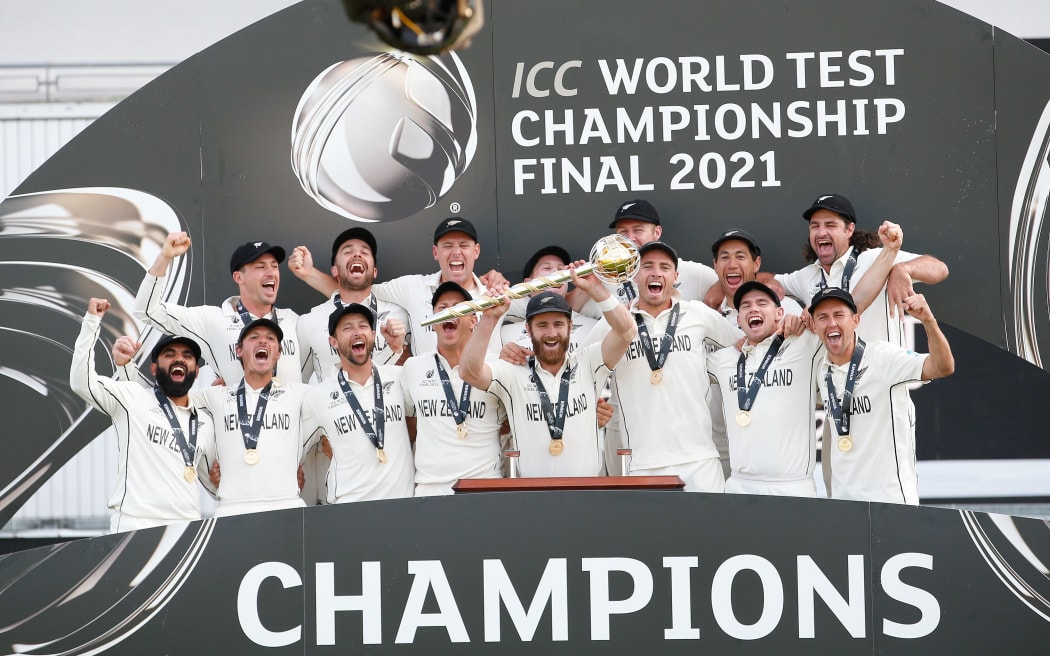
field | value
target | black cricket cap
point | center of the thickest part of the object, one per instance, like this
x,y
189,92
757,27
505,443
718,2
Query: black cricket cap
x,y
638,210
547,302
752,286
264,323
834,202
167,340
449,286
455,224
556,251
356,232
659,246
351,308
253,250
736,233
832,292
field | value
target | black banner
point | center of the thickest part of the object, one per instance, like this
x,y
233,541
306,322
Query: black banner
x,y
561,572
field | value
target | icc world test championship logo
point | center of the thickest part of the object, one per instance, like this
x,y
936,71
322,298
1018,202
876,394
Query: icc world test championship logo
x,y
381,137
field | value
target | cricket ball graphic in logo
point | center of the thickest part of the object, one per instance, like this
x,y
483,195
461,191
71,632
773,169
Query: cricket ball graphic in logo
x,y
381,137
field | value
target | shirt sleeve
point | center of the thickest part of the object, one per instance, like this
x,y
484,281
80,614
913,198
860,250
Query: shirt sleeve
x,y
501,376
406,388
208,455
103,394
597,333
172,318
310,425
703,276
899,365
398,290
309,357
131,373
199,398
717,330
794,285
591,357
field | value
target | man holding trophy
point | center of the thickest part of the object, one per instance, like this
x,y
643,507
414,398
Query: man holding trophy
x,y
551,401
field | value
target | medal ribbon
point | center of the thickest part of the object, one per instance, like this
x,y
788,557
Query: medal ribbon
x,y
656,361
628,290
840,411
250,431
187,448
745,397
847,272
246,317
459,410
374,435
554,416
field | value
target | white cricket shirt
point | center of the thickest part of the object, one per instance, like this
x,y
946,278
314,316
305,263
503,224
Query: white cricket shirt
x,y
779,444
668,423
441,457
356,473
880,466
285,435
718,418
582,455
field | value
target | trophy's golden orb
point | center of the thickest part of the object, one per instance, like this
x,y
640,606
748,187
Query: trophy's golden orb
x,y
615,259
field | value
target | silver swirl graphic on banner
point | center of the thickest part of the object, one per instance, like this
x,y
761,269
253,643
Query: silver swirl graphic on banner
x,y
1029,249
58,249
107,597
381,137
1010,549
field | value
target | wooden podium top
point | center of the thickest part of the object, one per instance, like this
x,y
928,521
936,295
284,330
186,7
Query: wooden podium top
x,y
466,485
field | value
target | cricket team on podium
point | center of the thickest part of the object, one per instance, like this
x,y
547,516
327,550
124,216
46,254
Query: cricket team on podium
x,y
710,373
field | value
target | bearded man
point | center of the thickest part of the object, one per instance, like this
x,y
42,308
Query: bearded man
x,y
161,436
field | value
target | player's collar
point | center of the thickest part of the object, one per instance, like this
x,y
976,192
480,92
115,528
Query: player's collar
x,y
276,383
569,361
837,266
444,360
338,295
726,308
368,381
761,346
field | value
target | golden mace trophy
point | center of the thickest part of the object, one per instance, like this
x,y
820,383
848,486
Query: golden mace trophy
x,y
614,259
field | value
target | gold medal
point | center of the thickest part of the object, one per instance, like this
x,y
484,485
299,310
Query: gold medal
x,y
656,377
381,455
461,431
189,473
743,418
556,447
845,443
251,456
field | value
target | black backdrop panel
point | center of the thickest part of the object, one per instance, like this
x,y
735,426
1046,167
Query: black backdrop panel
x,y
557,572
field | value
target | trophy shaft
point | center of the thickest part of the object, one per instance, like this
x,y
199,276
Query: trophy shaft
x,y
520,290
614,259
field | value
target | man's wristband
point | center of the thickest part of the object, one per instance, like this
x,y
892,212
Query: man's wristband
x,y
608,304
